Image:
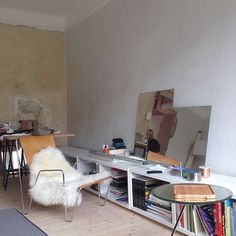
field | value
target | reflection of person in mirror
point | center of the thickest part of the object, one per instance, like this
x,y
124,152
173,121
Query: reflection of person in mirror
x,y
152,144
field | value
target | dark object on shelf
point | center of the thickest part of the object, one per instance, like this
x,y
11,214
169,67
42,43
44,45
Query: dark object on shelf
x,y
118,143
141,190
154,172
177,170
191,174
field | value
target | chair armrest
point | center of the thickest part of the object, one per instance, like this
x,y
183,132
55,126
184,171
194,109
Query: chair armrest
x,y
51,170
86,162
94,182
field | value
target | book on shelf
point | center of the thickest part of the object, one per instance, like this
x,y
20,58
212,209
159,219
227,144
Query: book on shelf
x,y
118,189
117,173
234,214
229,217
120,151
189,218
206,215
197,224
119,182
159,201
218,218
121,198
157,204
158,207
167,217
178,210
186,220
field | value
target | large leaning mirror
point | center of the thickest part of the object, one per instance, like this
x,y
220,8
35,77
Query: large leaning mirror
x,y
178,133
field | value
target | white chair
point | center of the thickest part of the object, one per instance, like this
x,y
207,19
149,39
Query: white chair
x,y
53,181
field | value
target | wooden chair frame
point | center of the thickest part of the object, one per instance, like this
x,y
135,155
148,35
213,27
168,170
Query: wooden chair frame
x,y
156,157
43,142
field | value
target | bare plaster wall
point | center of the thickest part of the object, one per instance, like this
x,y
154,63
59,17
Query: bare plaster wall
x,y
134,46
32,76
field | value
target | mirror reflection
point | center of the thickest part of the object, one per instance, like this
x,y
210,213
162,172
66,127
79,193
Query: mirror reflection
x,y
176,133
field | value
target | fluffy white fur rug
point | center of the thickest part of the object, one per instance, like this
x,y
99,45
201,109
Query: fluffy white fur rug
x,y
49,189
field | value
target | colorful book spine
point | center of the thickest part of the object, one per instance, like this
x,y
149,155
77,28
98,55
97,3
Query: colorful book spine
x,y
182,217
232,221
218,219
228,217
207,221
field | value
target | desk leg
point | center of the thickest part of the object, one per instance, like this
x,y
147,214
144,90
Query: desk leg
x,y
1,158
10,169
177,222
4,161
20,179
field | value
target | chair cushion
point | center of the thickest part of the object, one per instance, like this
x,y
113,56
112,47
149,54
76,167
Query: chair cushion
x,y
49,189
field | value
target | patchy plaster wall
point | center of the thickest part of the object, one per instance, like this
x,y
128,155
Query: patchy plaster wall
x,y
32,76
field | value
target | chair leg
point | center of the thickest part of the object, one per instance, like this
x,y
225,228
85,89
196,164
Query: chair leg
x,y
30,204
20,179
66,215
99,192
105,198
67,219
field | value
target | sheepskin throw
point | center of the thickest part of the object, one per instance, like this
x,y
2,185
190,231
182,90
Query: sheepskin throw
x,y
49,189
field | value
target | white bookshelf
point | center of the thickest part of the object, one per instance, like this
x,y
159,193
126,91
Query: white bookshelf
x,y
137,169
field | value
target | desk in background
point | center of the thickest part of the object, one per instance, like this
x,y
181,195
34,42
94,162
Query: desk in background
x,y
9,162
142,146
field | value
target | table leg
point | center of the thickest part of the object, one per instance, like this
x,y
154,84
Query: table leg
x,y
10,169
1,158
4,163
177,222
20,180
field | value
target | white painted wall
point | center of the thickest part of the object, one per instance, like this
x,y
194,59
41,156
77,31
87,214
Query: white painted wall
x,y
132,46
188,125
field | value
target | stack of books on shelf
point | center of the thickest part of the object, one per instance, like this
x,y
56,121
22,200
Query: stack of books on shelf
x,y
190,219
142,187
159,207
118,189
214,219
218,219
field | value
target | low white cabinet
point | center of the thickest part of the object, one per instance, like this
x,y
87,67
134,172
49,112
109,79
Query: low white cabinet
x,y
89,163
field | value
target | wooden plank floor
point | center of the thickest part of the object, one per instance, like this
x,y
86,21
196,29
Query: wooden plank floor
x,y
90,219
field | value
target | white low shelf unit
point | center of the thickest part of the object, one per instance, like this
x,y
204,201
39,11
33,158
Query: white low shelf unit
x,y
135,170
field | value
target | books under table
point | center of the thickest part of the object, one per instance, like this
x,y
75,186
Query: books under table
x,y
193,192
158,209
160,202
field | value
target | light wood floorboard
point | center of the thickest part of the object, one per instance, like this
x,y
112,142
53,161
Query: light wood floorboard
x,y
90,219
